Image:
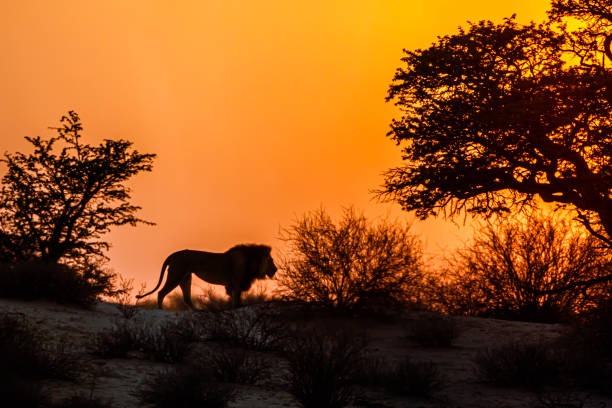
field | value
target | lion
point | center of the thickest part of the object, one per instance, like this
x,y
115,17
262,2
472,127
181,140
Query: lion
x,y
236,269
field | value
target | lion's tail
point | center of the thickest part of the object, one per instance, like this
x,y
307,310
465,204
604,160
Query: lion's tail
x,y
161,278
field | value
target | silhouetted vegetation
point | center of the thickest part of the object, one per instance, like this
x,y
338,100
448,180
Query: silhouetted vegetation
x,y
168,342
23,351
519,364
352,263
211,300
233,366
58,201
408,378
25,360
56,282
115,342
433,331
184,387
414,379
124,301
254,329
323,367
524,270
499,114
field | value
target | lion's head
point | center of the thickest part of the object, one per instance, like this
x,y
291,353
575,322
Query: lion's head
x,y
259,263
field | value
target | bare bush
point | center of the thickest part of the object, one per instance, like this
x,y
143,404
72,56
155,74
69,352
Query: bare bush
x,y
125,302
323,367
184,387
234,366
169,342
529,270
25,360
519,365
416,379
350,264
254,329
24,351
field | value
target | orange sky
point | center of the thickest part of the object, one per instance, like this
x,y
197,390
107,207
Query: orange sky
x,y
258,110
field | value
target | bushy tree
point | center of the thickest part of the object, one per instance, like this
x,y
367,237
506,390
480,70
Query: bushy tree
x,y
58,201
351,263
56,204
524,269
499,114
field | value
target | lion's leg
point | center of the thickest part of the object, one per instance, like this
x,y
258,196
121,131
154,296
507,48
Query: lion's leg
x,y
186,288
172,282
236,297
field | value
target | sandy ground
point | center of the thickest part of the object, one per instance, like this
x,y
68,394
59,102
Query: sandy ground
x,y
117,379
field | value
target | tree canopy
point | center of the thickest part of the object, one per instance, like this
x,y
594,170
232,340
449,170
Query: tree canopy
x,y
498,114
58,201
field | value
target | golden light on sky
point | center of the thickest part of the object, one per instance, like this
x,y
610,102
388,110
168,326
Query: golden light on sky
x,y
258,110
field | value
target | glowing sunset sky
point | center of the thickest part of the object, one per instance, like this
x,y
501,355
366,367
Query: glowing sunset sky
x,y
258,110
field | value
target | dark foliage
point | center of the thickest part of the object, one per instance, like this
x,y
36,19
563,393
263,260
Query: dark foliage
x,y
499,114
57,202
519,365
414,379
407,378
23,351
586,350
433,331
124,300
33,280
25,360
115,342
323,367
169,342
524,270
233,366
251,328
351,264
184,387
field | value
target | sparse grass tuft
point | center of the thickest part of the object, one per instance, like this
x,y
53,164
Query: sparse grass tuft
x,y
24,361
408,378
519,365
323,366
125,303
235,366
115,342
253,329
169,342
184,387
420,379
434,331
23,352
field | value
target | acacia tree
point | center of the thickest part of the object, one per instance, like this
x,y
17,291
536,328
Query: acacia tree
x,y
58,201
499,114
